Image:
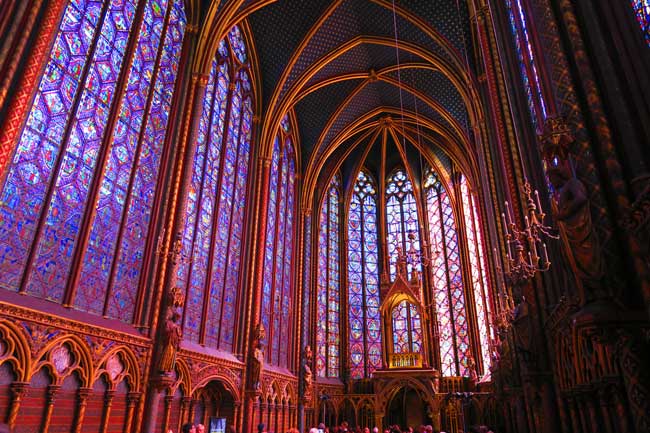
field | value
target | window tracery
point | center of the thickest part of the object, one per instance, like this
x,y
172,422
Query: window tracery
x,y
448,289
401,220
277,295
363,279
212,236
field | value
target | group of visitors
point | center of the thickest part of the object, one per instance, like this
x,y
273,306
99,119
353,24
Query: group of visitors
x,y
343,428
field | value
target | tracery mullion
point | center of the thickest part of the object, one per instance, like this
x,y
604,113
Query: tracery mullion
x,y
281,190
281,254
136,162
80,90
105,147
201,183
364,314
287,265
452,317
165,163
232,206
280,219
217,272
332,206
215,209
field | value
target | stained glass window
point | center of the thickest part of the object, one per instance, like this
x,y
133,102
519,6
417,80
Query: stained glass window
x,y
363,279
328,296
478,272
277,298
642,12
527,62
81,189
307,283
401,219
212,237
447,279
407,328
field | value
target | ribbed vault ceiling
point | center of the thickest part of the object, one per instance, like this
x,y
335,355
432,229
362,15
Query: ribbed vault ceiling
x,y
334,63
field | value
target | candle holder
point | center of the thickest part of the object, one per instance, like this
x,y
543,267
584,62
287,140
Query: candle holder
x,y
526,253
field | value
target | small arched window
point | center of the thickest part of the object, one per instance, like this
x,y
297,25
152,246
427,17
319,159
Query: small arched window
x,y
407,328
328,280
77,201
363,279
212,236
277,294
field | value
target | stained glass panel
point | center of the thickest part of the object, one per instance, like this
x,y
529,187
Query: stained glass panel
x,y
527,60
212,237
477,268
642,12
277,294
71,170
407,328
448,291
402,220
363,280
328,332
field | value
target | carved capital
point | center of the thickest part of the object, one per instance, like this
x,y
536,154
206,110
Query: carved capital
x,y
133,398
52,391
18,389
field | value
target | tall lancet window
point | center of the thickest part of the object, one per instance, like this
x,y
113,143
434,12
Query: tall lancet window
x,y
77,201
528,64
401,219
363,279
447,279
328,296
214,216
478,271
642,12
277,294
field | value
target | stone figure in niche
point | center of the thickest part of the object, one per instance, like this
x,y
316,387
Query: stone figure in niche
x,y
471,369
172,338
573,212
306,368
257,356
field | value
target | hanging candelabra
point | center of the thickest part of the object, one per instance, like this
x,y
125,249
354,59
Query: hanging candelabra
x,y
526,252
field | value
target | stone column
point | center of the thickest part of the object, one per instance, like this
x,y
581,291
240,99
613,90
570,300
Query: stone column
x,y
82,401
108,404
132,401
52,391
18,390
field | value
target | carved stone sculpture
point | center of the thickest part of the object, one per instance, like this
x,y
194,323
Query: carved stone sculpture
x,y
171,337
306,368
573,212
257,356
